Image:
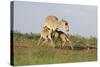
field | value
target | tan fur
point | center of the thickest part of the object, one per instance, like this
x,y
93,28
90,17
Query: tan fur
x,y
44,35
57,34
63,37
52,23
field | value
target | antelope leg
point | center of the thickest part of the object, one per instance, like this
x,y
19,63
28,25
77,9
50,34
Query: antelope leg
x,y
70,43
52,44
43,42
39,41
63,44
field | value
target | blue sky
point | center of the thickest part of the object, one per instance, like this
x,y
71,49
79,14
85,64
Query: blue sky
x,y
29,17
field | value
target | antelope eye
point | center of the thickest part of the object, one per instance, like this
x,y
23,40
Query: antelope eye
x,y
66,23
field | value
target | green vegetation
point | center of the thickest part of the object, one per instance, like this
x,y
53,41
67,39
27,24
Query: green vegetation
x,y
26,50
82,40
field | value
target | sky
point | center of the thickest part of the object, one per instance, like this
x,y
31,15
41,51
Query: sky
x,y
30,16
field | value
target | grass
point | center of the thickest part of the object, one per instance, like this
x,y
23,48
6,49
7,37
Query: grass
x,y
26,51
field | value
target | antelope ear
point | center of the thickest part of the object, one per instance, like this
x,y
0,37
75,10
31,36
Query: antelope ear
x,y
62,19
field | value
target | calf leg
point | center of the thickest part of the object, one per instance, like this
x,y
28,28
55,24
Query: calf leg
x,y
52,44
63,44
70,43
49,36
39,41
44,42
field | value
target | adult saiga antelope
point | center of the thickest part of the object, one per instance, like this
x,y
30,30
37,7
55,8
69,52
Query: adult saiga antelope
x,y
52,23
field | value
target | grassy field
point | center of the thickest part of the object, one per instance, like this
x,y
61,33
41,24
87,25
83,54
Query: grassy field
x,y
26,51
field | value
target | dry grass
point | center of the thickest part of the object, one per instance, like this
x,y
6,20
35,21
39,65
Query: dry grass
x,y
27,52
